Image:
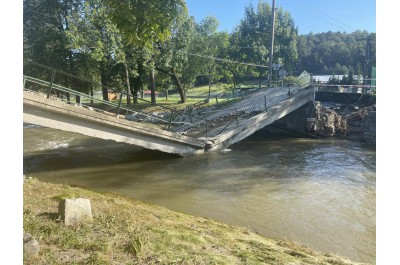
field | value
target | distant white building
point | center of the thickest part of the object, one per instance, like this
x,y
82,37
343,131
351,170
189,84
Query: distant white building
x,y
324,79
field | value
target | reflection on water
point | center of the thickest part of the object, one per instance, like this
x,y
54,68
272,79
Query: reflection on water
x,y
320,193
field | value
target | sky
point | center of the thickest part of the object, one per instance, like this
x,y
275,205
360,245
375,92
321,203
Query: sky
x,y
309,15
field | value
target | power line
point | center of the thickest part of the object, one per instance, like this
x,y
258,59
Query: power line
x,y
222,60
323,16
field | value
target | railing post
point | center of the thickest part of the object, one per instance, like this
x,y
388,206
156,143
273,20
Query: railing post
x,y
265,101
170,119
237,117
119,104
206,128
53,74
24,83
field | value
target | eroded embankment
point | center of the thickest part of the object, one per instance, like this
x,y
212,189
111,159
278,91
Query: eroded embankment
x,y
341,120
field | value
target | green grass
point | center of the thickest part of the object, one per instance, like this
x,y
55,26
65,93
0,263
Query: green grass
x,y
164,104
126,231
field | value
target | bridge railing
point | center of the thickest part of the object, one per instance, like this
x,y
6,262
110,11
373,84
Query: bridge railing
x,y
79,91
57,84
261,104
231,116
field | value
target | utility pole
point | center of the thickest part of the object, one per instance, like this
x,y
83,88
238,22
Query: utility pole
x,y
271,50
367,60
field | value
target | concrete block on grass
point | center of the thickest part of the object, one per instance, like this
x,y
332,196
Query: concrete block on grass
x,y
75,211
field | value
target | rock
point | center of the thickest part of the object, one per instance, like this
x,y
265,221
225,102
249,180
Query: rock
x,y
31,246
75,211
27,237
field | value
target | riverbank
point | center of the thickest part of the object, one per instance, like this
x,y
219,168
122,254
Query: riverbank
x,y
341,120
126,231
345,115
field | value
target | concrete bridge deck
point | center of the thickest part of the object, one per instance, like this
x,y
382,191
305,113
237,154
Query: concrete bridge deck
x,y
206,130
55,114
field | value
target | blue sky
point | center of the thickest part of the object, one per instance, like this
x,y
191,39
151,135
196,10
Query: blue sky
x,y
309,15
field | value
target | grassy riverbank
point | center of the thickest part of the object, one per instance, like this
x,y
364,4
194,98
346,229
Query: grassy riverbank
x,y
127,231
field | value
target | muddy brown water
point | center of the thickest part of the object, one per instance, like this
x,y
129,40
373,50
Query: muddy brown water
x,y
320,193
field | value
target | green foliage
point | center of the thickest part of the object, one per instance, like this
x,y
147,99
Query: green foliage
x,y
144,22
91,34
252,39
118,42
338,52
171,56
292,80
210,44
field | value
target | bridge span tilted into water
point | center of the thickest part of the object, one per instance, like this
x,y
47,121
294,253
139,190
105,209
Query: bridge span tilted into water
x,y
194,130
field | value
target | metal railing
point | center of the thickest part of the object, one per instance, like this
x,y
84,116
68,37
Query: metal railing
x,y
57,87
245,108
60,85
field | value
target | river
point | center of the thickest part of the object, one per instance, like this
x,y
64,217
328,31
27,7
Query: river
x,y
320,193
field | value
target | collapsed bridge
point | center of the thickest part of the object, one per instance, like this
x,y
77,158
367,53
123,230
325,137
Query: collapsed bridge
x,y
196,129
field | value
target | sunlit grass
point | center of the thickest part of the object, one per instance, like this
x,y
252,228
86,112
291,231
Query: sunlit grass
x,y
126,231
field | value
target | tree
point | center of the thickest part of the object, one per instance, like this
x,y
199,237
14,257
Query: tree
x,y
44,32
209,45
93,34
254,38
349,50
144,22
236,72
172,54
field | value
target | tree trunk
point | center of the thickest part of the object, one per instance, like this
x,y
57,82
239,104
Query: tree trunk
x,y
209,81
179,84
209,86
177,81
152,86
138,83
128,85
104,81
91,93
135,89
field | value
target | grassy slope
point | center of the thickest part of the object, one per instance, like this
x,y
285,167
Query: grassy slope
x,y
126,231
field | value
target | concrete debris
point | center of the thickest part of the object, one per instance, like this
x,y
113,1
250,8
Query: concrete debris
x,y
346,120
75,211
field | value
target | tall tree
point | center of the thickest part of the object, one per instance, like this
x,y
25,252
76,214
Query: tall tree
x,y
209,44
172,54
145,22
44,31
93,34
254,38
